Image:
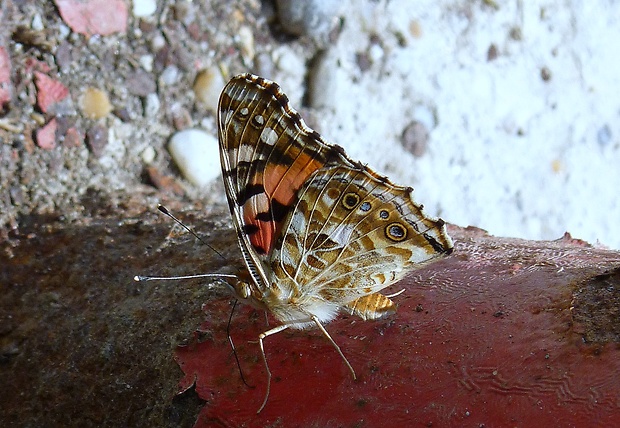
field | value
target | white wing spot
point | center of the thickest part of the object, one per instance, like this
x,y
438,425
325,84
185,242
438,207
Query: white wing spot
x,y
269,136
259,203
342,234
259,120
226,116
245,153
244,111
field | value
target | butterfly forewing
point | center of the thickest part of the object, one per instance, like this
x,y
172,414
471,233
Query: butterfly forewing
x,y
267,154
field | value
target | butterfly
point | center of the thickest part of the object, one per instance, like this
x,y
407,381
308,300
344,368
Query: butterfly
x,y
319,233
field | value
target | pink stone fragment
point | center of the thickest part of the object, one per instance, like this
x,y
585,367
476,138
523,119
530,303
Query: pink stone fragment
x,y
91,17
5,77
49,91
34,64
46,136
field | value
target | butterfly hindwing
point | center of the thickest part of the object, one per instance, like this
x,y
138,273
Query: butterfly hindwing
x,y
353,233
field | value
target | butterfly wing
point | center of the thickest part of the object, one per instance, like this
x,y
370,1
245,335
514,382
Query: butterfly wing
x,y
308,216
353,233
267,153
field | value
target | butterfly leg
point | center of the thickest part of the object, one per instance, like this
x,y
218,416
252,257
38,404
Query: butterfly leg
x,y
274,330
318,323
232,344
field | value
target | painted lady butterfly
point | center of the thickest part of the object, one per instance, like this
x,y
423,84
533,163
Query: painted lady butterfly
x,y
319,232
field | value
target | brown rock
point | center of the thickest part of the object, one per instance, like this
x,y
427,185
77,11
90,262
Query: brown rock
x,y
415,138
72,138
97,139
164,182
141,83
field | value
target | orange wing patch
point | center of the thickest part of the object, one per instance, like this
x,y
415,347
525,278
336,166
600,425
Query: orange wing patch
x,y
265,213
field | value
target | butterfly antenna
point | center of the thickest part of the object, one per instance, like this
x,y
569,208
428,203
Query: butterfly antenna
x,y
232,345
140,278
164,210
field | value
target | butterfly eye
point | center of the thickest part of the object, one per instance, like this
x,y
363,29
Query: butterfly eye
x,y
243,289
396,232
350,200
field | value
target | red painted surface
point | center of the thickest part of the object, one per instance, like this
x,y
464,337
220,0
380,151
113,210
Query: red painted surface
x,y
485,338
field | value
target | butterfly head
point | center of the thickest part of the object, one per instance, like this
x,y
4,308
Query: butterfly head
x,y
244,289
